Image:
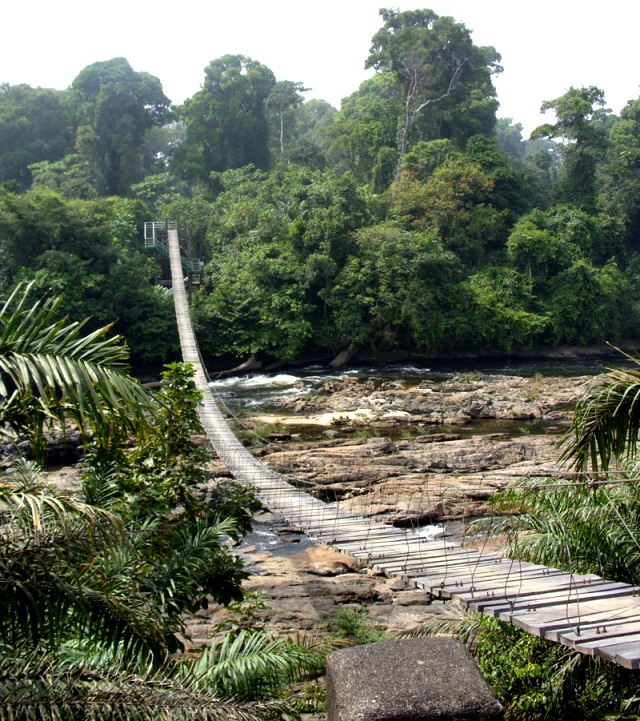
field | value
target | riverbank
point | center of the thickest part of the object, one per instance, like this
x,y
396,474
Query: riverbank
x,y
560,352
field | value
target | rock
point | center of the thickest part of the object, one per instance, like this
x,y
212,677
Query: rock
x,y
437,475
416,480
324,561
299,598
412,597
408,680
343,357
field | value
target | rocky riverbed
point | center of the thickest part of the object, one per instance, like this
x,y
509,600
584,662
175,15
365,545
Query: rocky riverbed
x,y
303,585
425,453
408,454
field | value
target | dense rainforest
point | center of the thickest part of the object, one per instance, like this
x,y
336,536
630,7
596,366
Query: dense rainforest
x,y
413,220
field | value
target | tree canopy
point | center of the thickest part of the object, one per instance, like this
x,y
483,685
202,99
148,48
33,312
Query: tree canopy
x,y
226,122
438,68
116,106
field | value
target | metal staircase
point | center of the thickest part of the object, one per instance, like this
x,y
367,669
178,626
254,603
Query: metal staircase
x,y
156,238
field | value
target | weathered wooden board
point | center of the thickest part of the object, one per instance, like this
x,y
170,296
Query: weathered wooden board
x,y
548,622
492,570
498,605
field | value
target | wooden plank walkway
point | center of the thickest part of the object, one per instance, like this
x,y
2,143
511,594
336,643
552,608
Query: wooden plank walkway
x,y
585,612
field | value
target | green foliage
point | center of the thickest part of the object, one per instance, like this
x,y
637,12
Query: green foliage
x,y
354,626
440,72
606,421
37,686
311,698
511,192
72,176
535,679
277,243
583,529
574,234
365,126
589,304
394,291
35,127
581,124
252,665
620,175
245,615
455,202
286,262
116,106
498,302
283,98
565,254
164,476
520,669
92,599
537,251
256,304
89,251
158,189
426,157
509,139
53,580
226,122
50,374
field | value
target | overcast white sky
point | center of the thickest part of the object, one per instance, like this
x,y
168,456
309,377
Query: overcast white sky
x,y
546,48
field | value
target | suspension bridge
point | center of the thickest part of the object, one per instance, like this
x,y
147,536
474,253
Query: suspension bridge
x,y
582,611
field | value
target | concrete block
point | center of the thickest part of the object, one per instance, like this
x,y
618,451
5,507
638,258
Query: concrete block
x,y
421,679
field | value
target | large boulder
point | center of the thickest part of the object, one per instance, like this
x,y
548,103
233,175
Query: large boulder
x,y
416,679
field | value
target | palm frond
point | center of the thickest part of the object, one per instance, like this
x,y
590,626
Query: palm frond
x,y
40,686
606,422
51,371
54,581
455,621
25,474
251,665
584,528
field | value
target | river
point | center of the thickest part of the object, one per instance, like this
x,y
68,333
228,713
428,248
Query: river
x,y
255,393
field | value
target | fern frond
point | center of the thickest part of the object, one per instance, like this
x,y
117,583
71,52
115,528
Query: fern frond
x,y
455,621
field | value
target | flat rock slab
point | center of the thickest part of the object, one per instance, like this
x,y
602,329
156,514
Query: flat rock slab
x,y
408,680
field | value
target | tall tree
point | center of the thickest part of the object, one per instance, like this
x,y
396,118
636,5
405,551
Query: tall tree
x,y
366,127
620,174
116,107
431,57
35,125
509,139
580,122
226,122
310,120
284,96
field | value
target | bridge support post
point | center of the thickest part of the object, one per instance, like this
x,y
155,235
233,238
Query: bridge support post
x,y
419,679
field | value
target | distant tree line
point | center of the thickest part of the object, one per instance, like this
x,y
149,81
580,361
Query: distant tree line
x,y
412,220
